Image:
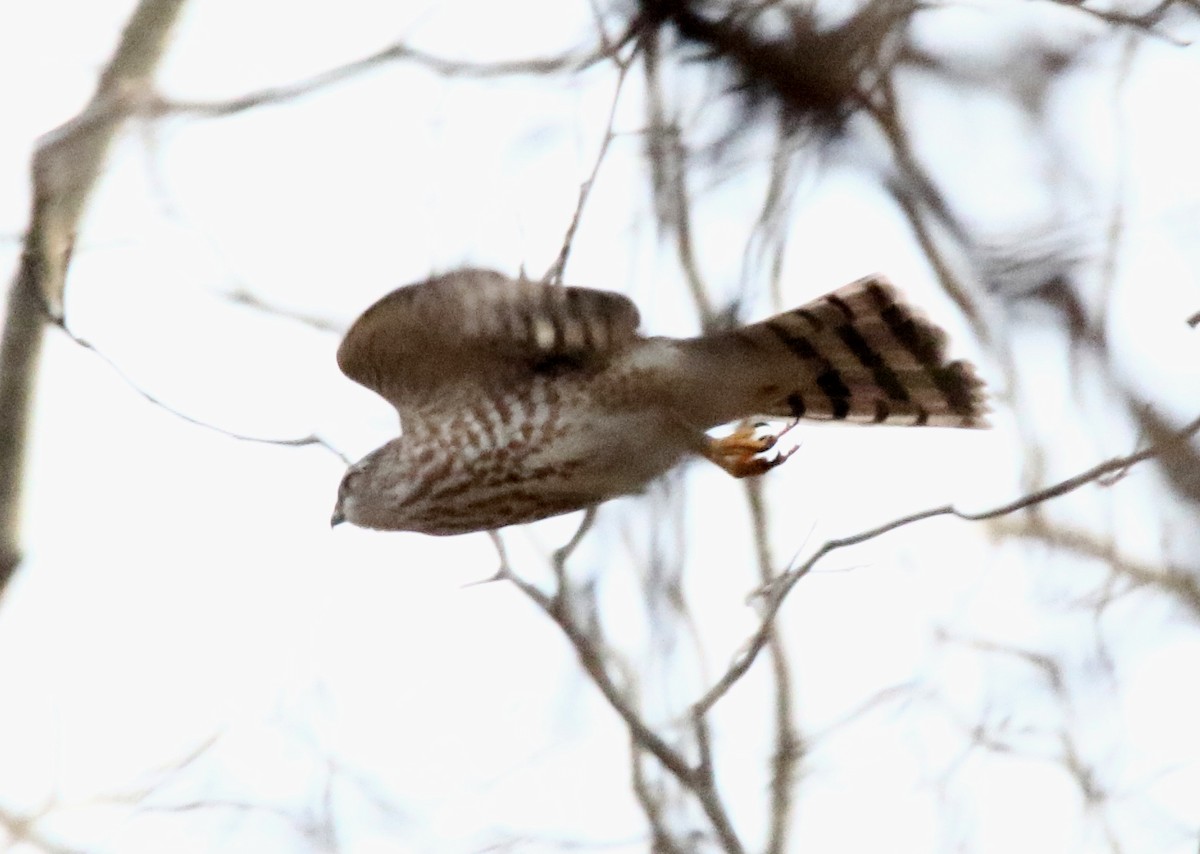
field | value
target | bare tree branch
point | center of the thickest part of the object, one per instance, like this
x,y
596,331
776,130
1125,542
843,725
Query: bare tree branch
x,y
1175,581
321,324
298,442
594,665
698,779
777,593
66,165
651,803
811,74
789,748
1145,22
555,273
23,828
399,52
667,157
1049,669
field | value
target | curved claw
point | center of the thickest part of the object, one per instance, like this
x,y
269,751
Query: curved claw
x,y
738,453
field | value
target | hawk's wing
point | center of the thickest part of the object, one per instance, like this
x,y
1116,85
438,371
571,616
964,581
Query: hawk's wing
x,y
476,329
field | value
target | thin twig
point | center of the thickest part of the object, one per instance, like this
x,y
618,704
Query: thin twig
x,y
297,442
321,324
555,273
699,780
557,609
667,157
1174,581
768,241
778,593
569,62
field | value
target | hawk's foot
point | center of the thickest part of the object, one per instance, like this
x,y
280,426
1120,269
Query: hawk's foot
x,y
738,452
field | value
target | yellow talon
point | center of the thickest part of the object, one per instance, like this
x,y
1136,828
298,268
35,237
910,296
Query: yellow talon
x,y
737,452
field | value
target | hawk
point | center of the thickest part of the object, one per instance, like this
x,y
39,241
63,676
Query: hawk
x,y
520,400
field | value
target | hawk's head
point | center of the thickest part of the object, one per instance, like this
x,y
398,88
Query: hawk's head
x,y
373,491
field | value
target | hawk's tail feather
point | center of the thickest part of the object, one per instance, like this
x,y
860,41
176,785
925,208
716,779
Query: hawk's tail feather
x,y
859,354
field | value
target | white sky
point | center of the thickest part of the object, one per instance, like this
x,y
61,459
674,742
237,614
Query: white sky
x,y
182,586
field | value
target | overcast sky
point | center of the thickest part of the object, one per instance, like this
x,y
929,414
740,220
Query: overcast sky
x,y
184,597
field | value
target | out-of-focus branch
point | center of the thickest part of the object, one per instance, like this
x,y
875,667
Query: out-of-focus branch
x,y
769,240
1175,581
651,803
19,351
1047,667
776,594
1180,461
66,165
22,828
399,52
811,74
704,785
321,324
919,198
667,157
789,748
1145,22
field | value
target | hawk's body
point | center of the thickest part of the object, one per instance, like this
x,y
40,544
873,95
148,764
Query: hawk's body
x,y
521,400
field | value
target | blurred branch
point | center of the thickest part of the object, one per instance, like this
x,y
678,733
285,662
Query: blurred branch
x,y
66,165
1047,667
704,785
23,829
919,198
651,803
667,157
568,62
768,241
1180,461
321,324
1175,581
1145,22
777,593
813,75
789,748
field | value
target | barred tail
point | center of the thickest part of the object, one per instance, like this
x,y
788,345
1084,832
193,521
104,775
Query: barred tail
x,y
858,354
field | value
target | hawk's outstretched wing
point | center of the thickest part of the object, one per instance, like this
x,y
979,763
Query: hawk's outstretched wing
x,y
478,329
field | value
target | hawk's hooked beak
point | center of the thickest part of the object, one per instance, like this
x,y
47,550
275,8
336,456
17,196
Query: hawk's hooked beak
x,y
337,518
